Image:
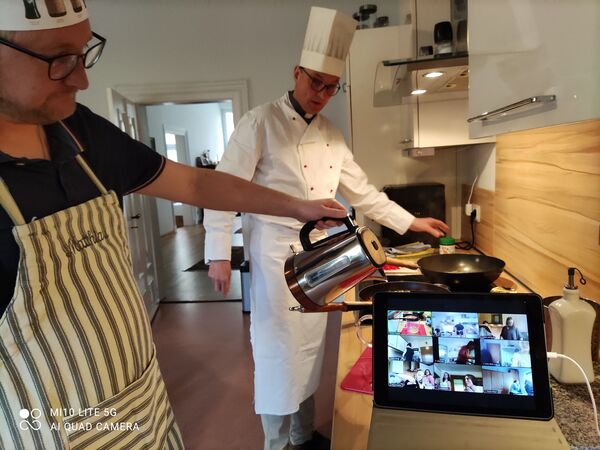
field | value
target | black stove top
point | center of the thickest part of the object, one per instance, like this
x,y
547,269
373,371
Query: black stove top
x,y
420,278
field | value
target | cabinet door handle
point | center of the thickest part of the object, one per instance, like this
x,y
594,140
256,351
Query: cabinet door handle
x,y
512,106
406,141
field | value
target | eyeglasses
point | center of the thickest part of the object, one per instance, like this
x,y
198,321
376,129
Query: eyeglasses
x,y
319,86
60,67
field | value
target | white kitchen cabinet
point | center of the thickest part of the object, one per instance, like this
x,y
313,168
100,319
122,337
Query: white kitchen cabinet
x,y
383,73
383,125
519,50
378,121
444,123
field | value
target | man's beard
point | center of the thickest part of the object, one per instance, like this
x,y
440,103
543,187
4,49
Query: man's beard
x,y
17,113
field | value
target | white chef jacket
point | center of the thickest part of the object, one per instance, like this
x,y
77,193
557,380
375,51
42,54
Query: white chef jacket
x,y
273,146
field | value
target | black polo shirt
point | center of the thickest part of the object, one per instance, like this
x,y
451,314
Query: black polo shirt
x,y
41,187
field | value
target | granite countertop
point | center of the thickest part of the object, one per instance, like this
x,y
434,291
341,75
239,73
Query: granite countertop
x,y
574,413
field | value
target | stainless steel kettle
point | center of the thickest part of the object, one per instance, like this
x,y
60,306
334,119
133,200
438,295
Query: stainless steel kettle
x,y
327,268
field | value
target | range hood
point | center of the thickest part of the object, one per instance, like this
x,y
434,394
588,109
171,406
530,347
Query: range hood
x,y
438,78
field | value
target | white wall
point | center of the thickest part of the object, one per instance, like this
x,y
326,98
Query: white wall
x,y
477,161
201,122
153,41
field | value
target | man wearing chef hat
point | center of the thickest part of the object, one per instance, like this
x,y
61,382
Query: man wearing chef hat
x,y
77,363
287,145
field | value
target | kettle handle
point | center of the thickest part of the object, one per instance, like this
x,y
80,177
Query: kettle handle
x,y
309,226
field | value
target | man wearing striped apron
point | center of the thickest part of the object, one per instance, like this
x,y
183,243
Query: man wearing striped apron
x,y
78,368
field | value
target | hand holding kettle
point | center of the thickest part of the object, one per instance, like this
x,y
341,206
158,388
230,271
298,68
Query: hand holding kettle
x,y
330,209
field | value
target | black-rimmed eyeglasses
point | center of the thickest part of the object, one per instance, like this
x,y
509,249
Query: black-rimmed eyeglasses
x,y
61,66
319,86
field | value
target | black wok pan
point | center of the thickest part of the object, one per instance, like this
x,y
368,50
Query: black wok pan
x,y
461,272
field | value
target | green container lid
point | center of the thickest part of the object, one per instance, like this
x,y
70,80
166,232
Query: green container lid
x,y
447,240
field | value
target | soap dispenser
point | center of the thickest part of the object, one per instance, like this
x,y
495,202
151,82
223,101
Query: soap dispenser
x,y
572,323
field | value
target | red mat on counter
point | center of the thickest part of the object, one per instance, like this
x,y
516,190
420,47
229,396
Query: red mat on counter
x,y
360,377
416,329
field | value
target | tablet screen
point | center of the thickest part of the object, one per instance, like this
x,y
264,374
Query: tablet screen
x,y
465,353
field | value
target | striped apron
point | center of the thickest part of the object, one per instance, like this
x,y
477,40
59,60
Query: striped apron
x,y
78,368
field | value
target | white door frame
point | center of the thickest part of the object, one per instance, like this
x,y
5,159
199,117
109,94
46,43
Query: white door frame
x,y
181,93
188,211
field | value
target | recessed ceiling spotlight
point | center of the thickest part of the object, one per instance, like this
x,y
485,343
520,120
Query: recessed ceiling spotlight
x,y
418,91
433,74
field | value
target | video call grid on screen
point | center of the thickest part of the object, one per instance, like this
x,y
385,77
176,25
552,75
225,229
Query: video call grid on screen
x,y
459,352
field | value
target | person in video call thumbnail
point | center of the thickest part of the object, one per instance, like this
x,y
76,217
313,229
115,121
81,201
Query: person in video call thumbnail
x,y
515,388
469,385
445,382
459,329
408,356
484,330
466,354
428,380
510,331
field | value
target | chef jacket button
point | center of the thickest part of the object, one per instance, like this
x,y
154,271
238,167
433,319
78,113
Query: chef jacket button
x,y
305,166
331,167
312,188
293,118
327,145
330,190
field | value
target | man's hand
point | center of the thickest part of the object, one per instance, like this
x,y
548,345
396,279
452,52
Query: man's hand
x,y
220,273
317,209
430,225
324,224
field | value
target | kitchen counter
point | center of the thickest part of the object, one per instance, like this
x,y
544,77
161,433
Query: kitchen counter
x,y
573,411
352,411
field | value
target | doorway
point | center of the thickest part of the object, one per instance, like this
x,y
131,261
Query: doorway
x,y
179,95
193,134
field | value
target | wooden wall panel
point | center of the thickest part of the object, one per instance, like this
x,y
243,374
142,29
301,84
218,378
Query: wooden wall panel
x,y
547,205
484,230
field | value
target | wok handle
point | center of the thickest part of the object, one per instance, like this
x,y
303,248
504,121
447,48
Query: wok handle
x,y
357,306
400,263
344,306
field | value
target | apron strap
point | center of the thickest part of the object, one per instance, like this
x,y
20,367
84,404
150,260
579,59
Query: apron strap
x,y
86,168
10,206
7,201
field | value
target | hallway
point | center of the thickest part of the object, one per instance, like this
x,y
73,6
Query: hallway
x,y
205,356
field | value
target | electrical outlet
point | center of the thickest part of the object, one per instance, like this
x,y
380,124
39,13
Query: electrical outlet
x,y
469,207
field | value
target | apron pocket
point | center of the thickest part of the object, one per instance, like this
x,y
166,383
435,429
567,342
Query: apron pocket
x,y
140,416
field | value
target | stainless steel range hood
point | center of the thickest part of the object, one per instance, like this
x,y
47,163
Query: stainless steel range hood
x,y
441,78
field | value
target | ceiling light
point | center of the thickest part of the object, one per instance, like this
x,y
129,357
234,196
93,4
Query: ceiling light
x,y
433,74
418,91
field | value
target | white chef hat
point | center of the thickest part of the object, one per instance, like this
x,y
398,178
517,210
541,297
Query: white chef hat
x,y
327,41
21,15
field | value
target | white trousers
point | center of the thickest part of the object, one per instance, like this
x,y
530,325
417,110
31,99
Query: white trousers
x,y
295,428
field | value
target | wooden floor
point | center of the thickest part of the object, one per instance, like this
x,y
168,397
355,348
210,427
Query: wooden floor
x,y
205,356
182,249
